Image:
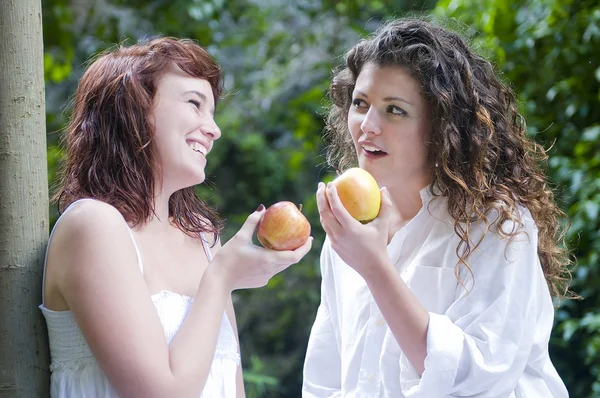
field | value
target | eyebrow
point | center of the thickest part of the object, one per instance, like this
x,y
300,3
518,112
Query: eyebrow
x,y
202,97
388,98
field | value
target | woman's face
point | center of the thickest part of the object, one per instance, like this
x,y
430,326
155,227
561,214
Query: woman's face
x,y
185,128
389,121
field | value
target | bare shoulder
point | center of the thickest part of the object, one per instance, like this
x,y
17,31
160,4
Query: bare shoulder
x,y
89,226
86,238
89,216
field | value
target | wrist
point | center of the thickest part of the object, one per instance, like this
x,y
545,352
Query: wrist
x,y
380,269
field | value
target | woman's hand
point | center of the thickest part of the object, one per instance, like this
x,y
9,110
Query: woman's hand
x,y
242,264
359,245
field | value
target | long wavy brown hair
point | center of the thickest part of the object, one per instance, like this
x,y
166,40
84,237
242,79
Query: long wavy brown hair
x,y
110,151
483,157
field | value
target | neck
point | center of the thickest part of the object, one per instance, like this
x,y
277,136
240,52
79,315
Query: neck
x,y
159,221
407,201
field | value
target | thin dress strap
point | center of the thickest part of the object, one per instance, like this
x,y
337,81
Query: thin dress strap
x,y
137,251
206,247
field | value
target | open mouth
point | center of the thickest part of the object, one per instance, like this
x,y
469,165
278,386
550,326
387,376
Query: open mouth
x,y
372,151
197,147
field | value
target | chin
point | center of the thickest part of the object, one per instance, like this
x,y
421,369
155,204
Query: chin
x,y
193,179
200,180
375,171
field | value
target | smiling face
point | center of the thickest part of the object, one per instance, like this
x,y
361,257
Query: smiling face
x,y
390,126
184,128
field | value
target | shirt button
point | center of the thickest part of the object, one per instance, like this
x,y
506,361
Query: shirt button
x,y
370,377
380,322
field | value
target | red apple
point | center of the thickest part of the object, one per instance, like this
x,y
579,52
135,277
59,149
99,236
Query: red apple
x,y
359,193
283,227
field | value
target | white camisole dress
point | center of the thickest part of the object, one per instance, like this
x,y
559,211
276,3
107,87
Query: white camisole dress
x,y
76,374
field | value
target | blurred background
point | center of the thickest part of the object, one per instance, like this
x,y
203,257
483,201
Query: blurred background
x,y
277,57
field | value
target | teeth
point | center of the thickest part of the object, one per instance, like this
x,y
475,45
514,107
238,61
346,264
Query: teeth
x,y
196,146
371,148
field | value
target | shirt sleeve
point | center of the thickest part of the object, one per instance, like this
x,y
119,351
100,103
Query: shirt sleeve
x,y
481,345
322,365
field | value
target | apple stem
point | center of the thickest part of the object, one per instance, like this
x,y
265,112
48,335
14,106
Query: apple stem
x,y
300,206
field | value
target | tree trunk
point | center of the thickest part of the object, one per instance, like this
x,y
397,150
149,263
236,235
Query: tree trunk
x,y
23,201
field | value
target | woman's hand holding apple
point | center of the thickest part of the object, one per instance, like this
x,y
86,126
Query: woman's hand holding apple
x,y
358,245
283,227
241,264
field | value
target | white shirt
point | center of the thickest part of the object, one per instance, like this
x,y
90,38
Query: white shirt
x,y
486,339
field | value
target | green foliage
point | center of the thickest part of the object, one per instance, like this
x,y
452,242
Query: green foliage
x,y
277,57
547,49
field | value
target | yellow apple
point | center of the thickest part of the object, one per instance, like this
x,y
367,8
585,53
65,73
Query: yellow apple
x,y
359,193
283,227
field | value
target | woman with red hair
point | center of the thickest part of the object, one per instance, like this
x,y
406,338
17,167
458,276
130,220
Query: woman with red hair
x,y
137,290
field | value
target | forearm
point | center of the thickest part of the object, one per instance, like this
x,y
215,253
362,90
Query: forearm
x,y
406,317
192,350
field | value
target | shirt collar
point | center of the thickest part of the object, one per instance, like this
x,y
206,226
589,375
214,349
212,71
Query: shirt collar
x,y
428,193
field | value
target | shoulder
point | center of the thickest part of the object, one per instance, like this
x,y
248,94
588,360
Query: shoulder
x,y
88,223
520,223
90,243
507,239
90,212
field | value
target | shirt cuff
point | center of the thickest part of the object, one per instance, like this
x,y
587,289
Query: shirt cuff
x,y
444,346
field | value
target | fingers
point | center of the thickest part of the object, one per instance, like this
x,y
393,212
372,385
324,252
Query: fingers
x,y
288,258
251,223
340,213
304,249
387,211
327,218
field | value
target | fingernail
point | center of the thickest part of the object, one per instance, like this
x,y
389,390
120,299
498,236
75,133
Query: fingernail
x,y
260,208
329,185
321,185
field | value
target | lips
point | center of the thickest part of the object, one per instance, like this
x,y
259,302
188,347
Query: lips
x,y
198,147
371,149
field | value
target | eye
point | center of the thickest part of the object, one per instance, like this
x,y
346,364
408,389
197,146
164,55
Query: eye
x,y
396,110
359,103
195,103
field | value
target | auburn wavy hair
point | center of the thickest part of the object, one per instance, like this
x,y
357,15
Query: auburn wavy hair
x,y
484,159
110,151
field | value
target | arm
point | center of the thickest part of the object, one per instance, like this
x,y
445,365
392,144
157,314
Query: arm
x,y
364,248
322,365
406,317
110,301
481,344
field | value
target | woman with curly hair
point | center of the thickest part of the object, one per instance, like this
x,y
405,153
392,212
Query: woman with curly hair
x,y
448,292
137,289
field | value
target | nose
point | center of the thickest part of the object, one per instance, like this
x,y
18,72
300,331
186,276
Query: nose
x,y
212,129
371,123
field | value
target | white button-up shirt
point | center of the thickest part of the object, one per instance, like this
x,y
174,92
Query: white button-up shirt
x,y
488,338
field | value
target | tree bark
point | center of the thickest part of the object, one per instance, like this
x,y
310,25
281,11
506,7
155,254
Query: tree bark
x,y
23,201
